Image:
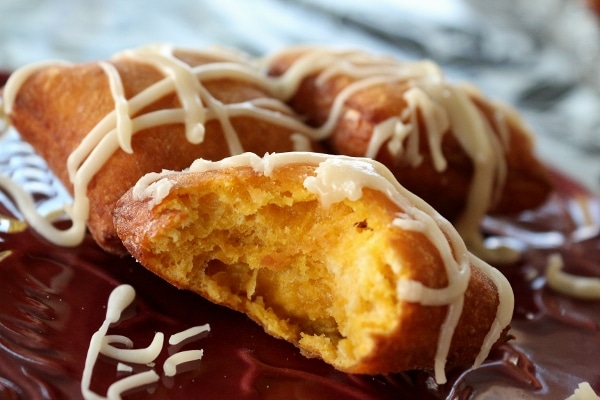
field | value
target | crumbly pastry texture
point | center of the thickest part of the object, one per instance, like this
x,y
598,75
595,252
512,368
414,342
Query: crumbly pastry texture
x,y
326,252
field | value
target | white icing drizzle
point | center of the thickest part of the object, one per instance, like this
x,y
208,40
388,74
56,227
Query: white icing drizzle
x,y
124,129
189,334
584,391
582,287
149,185
17,78
101,343
504,311
139,356
186,85
120,298
341,177
171,363
128,383
124,367
436,124
41,224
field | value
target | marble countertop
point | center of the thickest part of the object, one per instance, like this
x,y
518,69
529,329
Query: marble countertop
x,y
541,56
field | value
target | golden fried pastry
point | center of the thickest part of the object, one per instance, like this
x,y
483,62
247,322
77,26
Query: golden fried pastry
x,y
327,252
101,126
462,153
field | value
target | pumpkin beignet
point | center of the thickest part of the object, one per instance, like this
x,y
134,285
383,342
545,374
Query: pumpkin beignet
x,y
327,252
463,153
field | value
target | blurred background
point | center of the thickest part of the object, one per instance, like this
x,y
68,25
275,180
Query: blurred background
x,y
541,56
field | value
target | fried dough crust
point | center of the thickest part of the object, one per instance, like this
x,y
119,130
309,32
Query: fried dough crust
x,y
317,277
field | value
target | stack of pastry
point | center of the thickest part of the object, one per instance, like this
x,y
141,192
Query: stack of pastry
x,y
370,279
158,108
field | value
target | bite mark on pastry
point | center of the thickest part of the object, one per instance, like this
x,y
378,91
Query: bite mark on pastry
x,y
278,239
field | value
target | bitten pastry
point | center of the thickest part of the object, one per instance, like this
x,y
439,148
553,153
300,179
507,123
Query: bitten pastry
x,y
462,153
327,252
101,126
